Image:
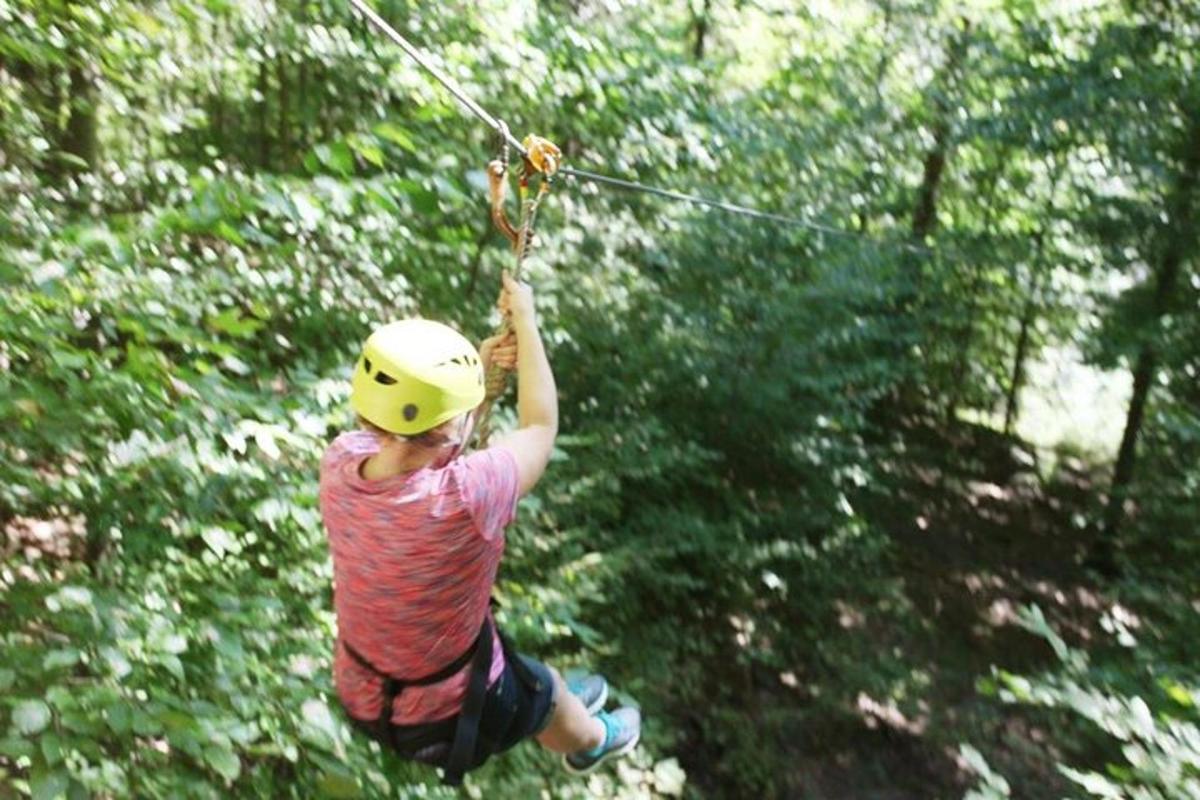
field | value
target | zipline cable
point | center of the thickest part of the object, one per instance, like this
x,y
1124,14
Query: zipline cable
x,y
596,177
501,129
442,78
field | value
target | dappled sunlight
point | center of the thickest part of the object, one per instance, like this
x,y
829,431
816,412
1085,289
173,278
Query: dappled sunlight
x,y
1001,612
848,616
980,582
977,490
875,713
61,538
744,628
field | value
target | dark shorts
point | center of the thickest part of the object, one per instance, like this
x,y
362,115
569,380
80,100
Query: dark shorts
x,y
518,705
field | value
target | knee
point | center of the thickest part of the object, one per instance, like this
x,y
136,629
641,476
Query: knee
x,y
560,685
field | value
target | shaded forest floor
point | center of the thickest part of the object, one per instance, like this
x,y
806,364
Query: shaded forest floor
x,y
976,533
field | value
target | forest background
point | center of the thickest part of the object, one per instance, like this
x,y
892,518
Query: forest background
x,y
824,504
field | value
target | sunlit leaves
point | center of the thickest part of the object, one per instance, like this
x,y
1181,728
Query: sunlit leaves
x,y
177,328
30,717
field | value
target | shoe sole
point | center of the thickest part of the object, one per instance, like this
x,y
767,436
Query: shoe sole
x,y
620,751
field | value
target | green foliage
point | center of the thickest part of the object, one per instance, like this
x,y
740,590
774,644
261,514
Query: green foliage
x,y
1150,728
204,207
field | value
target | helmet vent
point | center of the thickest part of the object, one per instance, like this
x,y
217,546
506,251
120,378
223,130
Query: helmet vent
x,y
410,412
384,378
367,365
465,360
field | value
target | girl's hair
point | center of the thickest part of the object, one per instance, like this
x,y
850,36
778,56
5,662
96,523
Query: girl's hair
x,y
425,439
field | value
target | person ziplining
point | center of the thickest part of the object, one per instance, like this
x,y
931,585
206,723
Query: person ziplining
x,y
416,530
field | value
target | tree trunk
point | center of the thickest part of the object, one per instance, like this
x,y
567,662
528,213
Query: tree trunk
x,y
1028,316
910,393
1182,221
863,184
1029,310
264,147
79,135
966,334
302,80
702,22
284,100
925,214
216,99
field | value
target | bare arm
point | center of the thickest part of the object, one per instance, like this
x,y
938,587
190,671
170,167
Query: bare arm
x,y
537,395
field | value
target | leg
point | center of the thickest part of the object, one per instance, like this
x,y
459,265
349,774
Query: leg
x,y
571,729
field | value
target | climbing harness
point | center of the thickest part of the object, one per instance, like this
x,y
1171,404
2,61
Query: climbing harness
x,y
465,751
540,158
466,732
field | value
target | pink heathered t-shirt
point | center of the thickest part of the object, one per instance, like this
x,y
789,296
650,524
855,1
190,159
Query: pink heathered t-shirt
x,y
414,560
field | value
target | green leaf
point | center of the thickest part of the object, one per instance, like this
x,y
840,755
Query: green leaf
x,y
338,157
319,727
144,724
424,200
309,213
51,748
56,659
16,748
232,322
1095,783
224,761
338,785
116,661
1180,695
173,665
69,597
229,233
370,153
669,778
118,718
72,160
280,204
220,541
265,439
31,716
49,786
396,135
69,360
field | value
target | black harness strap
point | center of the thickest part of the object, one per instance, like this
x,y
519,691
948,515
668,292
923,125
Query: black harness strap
x,y
466,731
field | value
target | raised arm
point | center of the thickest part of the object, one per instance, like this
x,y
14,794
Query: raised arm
x,y
537,396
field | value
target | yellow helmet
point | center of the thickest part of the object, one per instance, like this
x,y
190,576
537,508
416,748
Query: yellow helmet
x,y
414,375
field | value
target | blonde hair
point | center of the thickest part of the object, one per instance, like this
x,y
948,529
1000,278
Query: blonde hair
x,y
424,439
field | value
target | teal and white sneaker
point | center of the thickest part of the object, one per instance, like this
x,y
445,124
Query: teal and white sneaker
x,y
622,730
592,691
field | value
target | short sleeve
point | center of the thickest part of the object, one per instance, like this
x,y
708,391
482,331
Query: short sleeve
x,y
491,488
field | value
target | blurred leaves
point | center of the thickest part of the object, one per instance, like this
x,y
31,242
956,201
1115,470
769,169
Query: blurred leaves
x,y
204,207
